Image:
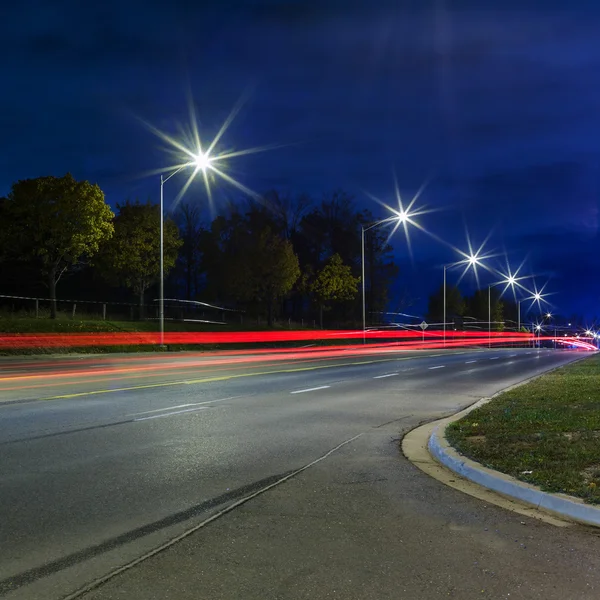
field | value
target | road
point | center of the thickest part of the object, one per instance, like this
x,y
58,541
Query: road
x,y
105,459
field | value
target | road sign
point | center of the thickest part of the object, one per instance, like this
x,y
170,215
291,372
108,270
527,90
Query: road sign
x,y
424,325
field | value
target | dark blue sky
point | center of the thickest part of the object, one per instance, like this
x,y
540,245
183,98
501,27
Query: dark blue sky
x,y
498,104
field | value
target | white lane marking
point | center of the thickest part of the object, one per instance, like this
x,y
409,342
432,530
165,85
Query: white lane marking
x,y
382,376
147,412
494,358
528,353
434,355
468,362
512,356
177,412
321,387
438,367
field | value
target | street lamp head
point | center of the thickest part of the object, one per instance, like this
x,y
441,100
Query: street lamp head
x,y
202,161
538,327
511,280
402,216
537,296
473,259
548,315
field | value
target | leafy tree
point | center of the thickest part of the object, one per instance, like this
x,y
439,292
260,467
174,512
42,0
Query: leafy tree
x,y
55,223
455,304
330,229
478,306
334,283
4,231
316,233
188,260
262,269
334,227
132,256
213,244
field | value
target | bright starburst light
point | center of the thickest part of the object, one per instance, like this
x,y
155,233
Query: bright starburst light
x,y
404,215
472,259
538,297
187,151
512,280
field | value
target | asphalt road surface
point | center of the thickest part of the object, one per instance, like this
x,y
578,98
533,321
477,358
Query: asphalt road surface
x,y
280,472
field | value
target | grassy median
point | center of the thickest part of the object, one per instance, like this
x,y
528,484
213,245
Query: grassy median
x,y
546,432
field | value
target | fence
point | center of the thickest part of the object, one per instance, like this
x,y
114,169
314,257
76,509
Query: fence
x,y
175,310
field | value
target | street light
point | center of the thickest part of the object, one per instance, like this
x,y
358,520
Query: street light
x,y
201,162
400,217
188,149
490,286
472,261
510,280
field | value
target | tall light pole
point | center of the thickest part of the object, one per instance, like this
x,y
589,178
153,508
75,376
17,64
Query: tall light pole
x,y
472,260
399,218
490,286
509,281
201,162
489,316
445,267
548,316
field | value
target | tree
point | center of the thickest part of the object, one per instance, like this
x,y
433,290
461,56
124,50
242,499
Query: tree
x,y
479,304
287,211
261,268
132,256
55,223
188,260
334,227
455,304
4,231
334,283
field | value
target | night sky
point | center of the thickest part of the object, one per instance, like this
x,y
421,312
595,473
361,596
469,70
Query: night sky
x,y
495,104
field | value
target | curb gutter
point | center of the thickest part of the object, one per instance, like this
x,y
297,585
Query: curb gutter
x,y
559,504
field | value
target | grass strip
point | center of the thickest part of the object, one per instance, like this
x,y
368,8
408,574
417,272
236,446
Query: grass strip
x,y
546,432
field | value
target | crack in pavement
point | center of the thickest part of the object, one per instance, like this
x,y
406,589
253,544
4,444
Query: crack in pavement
x,y
26,577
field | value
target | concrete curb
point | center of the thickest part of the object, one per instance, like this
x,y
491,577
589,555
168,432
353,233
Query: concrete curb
x,y
559,504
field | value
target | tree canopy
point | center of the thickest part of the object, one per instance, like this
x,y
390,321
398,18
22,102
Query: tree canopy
x,y
132,256
455,304
267,257
55,223
334,283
